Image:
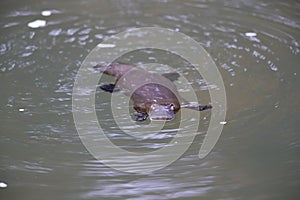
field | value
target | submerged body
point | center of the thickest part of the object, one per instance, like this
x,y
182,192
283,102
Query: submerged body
x,y
152,94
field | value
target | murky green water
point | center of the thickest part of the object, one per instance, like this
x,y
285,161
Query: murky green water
x,y
255,45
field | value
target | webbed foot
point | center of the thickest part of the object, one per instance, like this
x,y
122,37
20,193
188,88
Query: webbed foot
x,y
140,116
109,88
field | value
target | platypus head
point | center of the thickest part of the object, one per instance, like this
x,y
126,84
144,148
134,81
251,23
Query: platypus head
x,y
162,112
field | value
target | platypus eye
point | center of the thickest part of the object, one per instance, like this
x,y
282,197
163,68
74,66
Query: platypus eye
x,y
172,107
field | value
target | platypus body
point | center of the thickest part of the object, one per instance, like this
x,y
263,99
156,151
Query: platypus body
x,y
152,94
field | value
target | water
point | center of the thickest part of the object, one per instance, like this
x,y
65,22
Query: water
x,y
255,45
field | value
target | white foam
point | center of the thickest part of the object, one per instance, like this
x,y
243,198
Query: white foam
x,y
46,13
3,185
251,34
106,45
37,23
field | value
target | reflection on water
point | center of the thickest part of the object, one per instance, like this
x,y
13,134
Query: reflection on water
x,y
255,44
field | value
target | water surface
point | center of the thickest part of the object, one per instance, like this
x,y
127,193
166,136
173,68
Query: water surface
x,y
255,45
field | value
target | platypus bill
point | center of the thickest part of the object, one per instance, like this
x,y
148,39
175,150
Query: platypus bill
x,y
153,95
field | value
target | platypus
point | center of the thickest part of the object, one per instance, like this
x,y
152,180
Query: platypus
x,y
153,95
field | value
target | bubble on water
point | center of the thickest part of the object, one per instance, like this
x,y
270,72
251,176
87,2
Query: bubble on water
x,y
3,185
37,23
251,34
46,13
101,45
